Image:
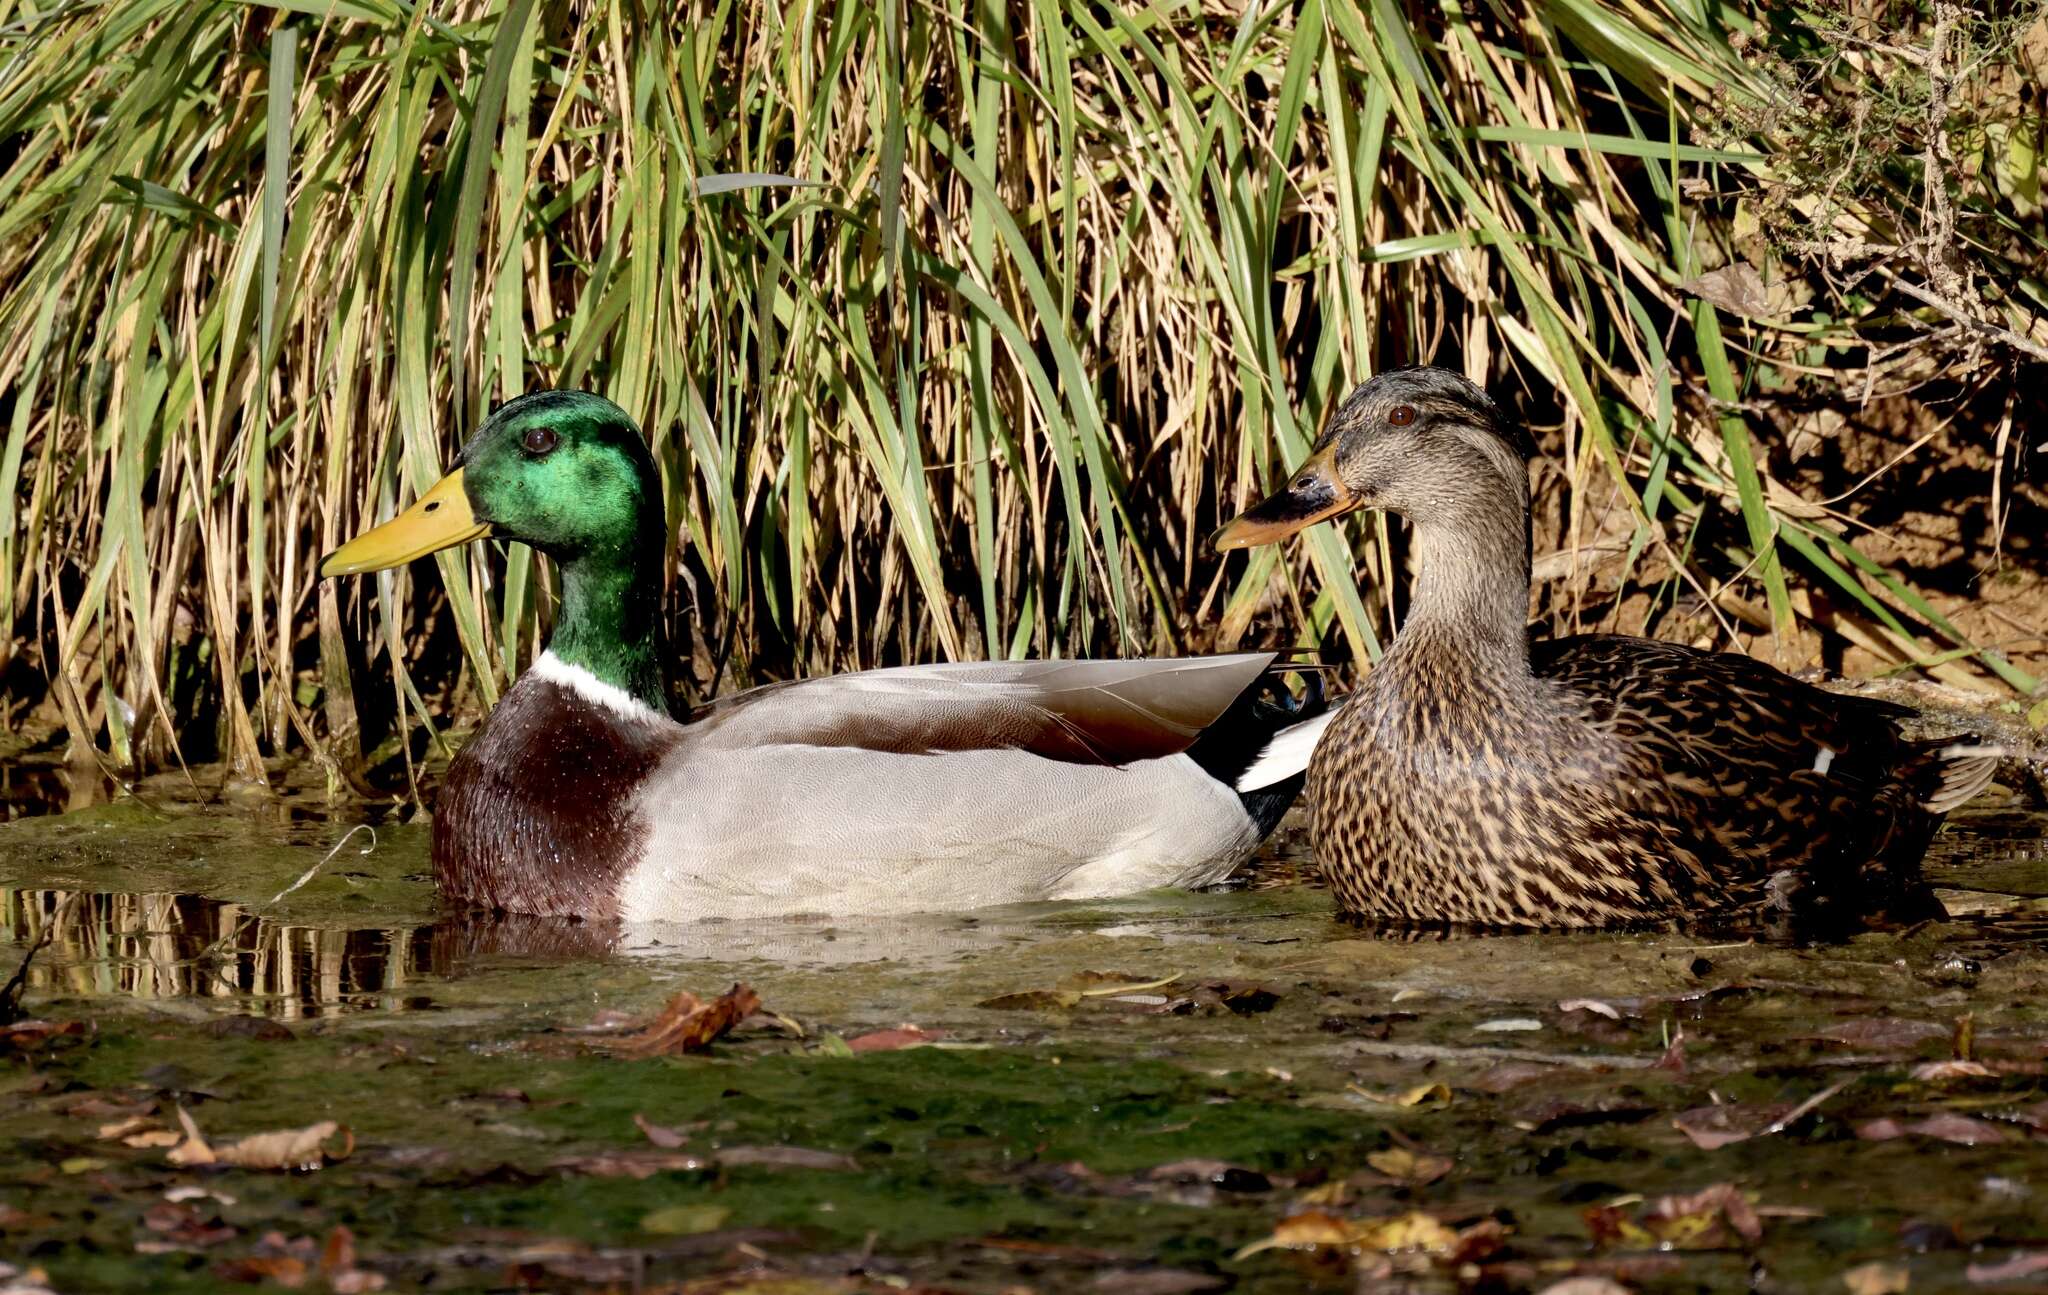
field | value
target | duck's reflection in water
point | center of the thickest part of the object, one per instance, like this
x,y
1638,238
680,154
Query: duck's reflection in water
x,y
171,946
160,946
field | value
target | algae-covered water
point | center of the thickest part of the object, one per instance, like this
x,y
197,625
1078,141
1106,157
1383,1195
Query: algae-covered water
x,y
1114,1097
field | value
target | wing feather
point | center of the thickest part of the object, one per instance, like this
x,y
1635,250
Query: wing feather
x,y
1088,712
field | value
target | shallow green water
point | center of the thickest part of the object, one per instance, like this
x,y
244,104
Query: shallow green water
x,y
1132,1140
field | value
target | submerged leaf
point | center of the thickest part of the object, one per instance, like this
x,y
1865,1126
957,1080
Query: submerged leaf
x,y
1701,1220
1717,1126
1878,1278
659,1134
2025,1264
903,1036
1946,1126
685,1220
784,1158
1409,1167
1431,1095
1315,1228
1033,1000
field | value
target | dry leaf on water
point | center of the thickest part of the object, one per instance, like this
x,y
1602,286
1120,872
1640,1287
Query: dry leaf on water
x,y
660,1135
784,1158
685,1220
1959,1129
1878,1278
689,1024
292,1262
1889,1033
1709,1219
1071,991
1717,1126
306,1148
903,1036
1424,1095
1408,1167
33,1034
2025,1264
631,1164
1413,1232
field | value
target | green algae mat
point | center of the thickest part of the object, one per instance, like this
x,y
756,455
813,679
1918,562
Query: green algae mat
x,y
251,1054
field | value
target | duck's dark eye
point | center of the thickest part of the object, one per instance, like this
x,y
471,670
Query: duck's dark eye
x,y
540,440
1401,415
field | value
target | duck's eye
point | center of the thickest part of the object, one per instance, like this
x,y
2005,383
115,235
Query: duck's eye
x,y
540,440
1401,415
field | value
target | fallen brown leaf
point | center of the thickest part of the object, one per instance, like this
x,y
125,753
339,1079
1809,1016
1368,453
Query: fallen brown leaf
x,y
1033,1000
1408,1167
2026,1263
182,1227
102,1106
1935,1071
903,1036
1414,1231
1155,1281
34,1034
1878,1278
631,1164
1701,1220
783,1158
306,1148
1427,1095
122,1128
288,1271
1887,1032
659,1134
1960,1129
689,1024
1716,1126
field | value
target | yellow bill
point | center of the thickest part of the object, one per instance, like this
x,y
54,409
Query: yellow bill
x,y
440,519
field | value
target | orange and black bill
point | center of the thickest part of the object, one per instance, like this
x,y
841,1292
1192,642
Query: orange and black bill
x,y
1315,494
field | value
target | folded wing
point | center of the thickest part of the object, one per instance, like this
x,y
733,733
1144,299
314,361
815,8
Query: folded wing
x,y
1087,712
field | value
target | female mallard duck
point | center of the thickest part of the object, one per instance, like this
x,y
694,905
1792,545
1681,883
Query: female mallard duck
x,y
927,788
1587,781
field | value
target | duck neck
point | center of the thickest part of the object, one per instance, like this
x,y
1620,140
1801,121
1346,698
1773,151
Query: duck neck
x,y
610,622
1471,598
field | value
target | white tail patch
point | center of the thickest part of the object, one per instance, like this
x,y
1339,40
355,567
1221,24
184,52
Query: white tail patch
x,y
1286,754
1823,761
591,688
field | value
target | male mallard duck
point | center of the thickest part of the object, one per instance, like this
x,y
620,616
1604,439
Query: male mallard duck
x,y
926,788
1587,781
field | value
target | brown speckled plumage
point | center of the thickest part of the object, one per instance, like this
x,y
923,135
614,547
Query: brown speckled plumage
x,y
1589,781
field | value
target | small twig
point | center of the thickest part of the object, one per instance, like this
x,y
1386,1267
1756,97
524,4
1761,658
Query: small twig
x,y
1961,316
1804,1109
1445,1052
10,994
308,874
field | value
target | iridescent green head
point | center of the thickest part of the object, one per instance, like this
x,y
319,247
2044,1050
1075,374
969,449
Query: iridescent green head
x,y
568,473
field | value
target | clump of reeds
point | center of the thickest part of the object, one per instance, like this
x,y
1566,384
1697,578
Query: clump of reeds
x,y
955,328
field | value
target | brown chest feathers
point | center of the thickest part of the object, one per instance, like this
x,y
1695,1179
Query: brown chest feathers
x,y
534,816
1617,780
